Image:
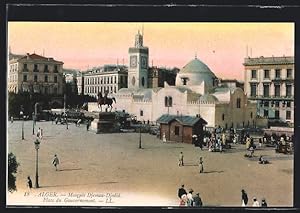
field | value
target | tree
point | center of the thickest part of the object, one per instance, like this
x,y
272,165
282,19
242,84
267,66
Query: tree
x,y
12,170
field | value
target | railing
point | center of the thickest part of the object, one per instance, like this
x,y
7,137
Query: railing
x,y
272,97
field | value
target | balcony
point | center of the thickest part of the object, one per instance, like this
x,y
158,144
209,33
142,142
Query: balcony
x,y
271,97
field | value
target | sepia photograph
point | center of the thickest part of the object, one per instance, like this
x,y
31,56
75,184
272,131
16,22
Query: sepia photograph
x,y
175,114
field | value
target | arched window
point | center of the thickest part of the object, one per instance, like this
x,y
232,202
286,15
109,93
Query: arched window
x,y
238,103
168,101
223,117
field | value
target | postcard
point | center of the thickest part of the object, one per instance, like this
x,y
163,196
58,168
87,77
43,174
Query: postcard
x,y
176,114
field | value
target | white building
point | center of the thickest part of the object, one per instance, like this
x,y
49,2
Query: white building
x,y
109,78
196,93
270,82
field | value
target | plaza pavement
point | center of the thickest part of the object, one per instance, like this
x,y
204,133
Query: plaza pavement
x,y
112,163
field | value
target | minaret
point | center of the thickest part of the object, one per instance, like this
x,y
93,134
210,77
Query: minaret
x,y
138,64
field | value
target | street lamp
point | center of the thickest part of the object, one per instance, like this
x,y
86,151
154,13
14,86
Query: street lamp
x,y
67,120
37,146
140,141
34,114
33,123
65,104
21,115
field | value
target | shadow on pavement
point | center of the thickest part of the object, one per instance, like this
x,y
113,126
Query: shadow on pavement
x,y
166,147
190,164
271,158
213,172
61,170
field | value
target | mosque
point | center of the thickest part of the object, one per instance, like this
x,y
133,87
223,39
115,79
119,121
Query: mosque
x,y
196,93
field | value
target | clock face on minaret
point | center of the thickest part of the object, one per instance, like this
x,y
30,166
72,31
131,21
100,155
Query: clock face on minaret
x,y
133,61
144,62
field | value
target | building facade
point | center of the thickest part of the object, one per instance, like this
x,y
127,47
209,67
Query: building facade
x,y
180,128
70,77
35,73
196,93
107,79
80,82
270,82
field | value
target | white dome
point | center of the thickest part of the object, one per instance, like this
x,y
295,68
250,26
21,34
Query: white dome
x,y
194,73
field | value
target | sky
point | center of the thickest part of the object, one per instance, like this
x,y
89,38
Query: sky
x,y
221,46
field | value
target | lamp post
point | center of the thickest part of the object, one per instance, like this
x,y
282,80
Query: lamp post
x,y
65,104
140,140
37,146
67,120
22,116
33,123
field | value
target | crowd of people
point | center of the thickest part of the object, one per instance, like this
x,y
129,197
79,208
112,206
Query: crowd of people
x,y
255,201
188,199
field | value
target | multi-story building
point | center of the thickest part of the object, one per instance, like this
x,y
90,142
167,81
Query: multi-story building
x,y
80,82
107,79
70,76
270,82
35,73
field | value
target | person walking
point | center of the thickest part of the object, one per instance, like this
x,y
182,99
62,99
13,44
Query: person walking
x,y
244,198
29,183
41,135
201,168
260,142
181,159
78,122
197,200
190,198
248,143
55,162
181,191
255,202
88,125
183,201
264,203
38,134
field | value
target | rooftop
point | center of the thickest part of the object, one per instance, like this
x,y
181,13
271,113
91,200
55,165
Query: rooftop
x,y
35,56
107,68
184,120
269,60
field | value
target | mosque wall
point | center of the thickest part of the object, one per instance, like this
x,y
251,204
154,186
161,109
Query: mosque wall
x,y
206,110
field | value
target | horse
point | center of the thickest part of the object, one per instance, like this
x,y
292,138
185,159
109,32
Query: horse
x,y
105,100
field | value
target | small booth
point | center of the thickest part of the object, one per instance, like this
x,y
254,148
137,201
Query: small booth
x,y
181,128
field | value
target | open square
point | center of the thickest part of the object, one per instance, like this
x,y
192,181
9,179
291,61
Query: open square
x,y
114,166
